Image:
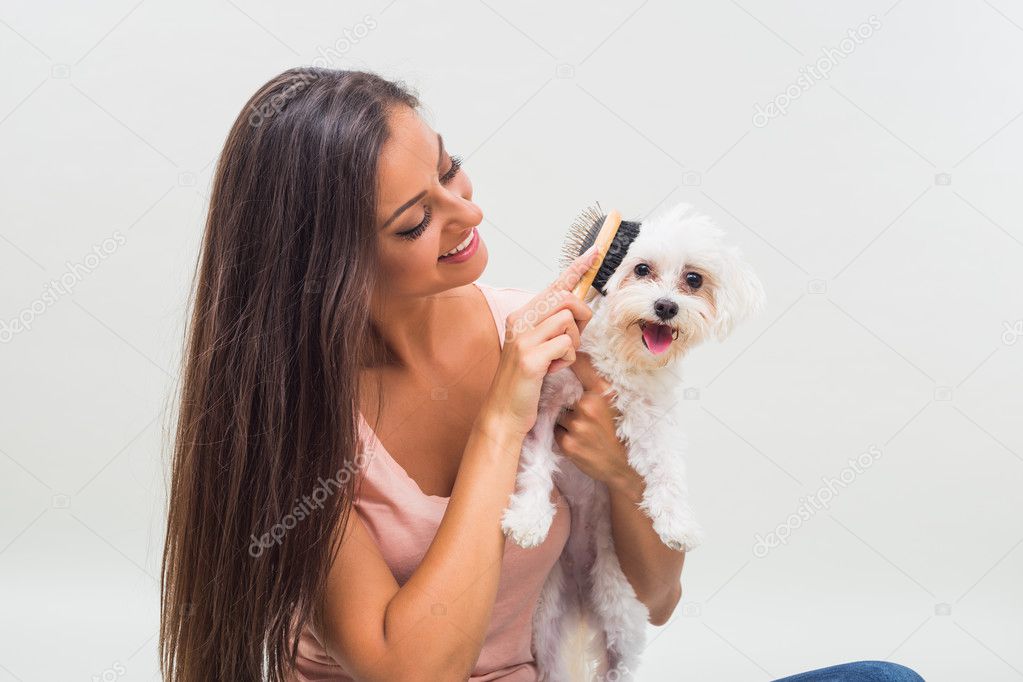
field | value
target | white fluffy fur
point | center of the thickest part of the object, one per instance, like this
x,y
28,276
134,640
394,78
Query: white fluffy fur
x,y
587,600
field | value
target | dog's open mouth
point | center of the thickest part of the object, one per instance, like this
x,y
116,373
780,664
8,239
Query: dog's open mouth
x,y
657,337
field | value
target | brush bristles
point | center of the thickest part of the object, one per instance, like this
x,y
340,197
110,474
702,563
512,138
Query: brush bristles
x,y
583,232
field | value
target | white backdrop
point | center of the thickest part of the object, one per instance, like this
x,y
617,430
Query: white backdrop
x,y
865,155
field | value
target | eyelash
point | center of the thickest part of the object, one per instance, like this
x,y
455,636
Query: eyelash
x,y
456,166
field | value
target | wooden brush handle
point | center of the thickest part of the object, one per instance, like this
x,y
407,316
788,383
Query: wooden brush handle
x,y
604,238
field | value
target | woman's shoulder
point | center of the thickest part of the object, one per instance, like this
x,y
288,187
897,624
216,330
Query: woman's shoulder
x,y
508,298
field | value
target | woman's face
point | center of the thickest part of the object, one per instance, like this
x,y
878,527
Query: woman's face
x,y
424,210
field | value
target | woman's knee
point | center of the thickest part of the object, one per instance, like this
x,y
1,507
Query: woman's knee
x,y
882,671
858,671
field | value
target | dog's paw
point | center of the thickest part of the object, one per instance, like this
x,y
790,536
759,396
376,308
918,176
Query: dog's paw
x,y
528,524
684,544
678,536
676,545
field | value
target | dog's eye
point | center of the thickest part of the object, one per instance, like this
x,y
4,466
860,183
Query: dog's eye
x,y
694,279
642,269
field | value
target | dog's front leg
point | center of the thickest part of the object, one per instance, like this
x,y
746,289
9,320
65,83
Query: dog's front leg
x,y
659,457
530,511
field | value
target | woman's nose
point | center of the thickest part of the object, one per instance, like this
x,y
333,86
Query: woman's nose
x,y
466,213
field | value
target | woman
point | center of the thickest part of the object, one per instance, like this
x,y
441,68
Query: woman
x,y
341,354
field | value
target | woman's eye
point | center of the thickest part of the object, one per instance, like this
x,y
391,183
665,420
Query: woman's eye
x,y
642,270
456,165
694,279
418,229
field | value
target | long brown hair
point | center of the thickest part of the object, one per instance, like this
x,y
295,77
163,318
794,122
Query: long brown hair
x,y
269,388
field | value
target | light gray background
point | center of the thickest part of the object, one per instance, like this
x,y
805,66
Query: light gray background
x,y
882,212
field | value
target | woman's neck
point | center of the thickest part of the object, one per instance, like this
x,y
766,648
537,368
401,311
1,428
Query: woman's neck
x,y
415,331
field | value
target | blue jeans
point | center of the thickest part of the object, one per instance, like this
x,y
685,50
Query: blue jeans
x,y
858,671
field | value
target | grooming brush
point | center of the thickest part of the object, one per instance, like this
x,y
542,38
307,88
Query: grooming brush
x,y
613,237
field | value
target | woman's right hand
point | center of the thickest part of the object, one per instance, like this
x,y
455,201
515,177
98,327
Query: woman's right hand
x,y
540,338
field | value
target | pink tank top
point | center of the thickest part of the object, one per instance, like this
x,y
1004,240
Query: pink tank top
x,y
403,521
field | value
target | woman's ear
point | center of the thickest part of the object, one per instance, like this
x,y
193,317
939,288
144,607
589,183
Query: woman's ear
x,y
739,296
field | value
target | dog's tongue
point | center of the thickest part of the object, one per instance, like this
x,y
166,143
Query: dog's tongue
x,y
657,337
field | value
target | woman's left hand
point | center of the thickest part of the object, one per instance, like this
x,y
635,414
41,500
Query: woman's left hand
x,y
585,432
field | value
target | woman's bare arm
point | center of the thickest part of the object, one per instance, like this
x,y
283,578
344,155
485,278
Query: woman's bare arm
x,y
433,627
653,569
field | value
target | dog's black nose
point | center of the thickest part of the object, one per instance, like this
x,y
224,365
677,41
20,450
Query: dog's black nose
x,y
665,308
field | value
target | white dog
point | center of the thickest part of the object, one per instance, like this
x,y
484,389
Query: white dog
x,y
677,285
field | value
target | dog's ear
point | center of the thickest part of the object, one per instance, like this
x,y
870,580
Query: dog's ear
x,y
739,296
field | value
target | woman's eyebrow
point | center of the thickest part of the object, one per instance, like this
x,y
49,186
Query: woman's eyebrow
x,y
411,202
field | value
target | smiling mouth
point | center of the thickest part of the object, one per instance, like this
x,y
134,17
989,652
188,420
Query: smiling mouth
x,y
657,337
462,246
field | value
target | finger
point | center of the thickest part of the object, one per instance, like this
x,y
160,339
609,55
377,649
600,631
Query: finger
x,y
560,364
561,301
567,280
561,322
543,305
558,352
581,312
557,366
